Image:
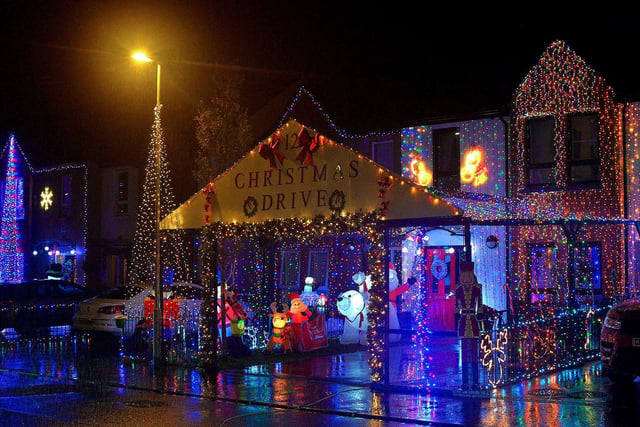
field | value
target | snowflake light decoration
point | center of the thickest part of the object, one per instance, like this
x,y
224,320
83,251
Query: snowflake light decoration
x,y
46,198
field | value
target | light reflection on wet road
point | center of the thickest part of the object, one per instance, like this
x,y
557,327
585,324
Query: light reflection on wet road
x,y
37,376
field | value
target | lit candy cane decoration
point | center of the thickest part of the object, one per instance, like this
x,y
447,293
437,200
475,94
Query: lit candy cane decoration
x,y
491,352
588,328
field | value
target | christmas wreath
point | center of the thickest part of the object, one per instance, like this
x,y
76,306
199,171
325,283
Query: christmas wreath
x,y
439,269
337,201
250,206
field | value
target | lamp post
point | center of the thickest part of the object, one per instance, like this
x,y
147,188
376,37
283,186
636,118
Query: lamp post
x,y
157,311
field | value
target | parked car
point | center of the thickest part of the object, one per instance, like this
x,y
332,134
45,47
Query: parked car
x,y
620,342
121,309
36,305
106,311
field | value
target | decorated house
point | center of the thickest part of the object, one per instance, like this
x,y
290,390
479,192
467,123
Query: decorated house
x,y
71,221
554,196
550,191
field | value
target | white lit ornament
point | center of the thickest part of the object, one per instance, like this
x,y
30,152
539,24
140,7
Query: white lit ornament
x,y
46,198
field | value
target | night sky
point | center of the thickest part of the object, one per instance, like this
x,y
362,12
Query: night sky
x,y
70,93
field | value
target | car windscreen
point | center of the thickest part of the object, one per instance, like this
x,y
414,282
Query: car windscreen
x,y
122,292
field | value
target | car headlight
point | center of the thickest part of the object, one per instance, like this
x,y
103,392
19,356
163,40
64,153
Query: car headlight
x,y
612,323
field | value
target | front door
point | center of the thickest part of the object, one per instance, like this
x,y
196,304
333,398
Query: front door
x,y
441,269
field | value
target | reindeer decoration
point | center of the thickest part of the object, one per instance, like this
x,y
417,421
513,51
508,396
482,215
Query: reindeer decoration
x,y
280,328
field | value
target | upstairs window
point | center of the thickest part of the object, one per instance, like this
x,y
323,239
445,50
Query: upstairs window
x,y
446,159
382,153
584,160
540,149
122,193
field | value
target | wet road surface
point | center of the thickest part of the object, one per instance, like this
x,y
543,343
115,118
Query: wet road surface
x,y
62,382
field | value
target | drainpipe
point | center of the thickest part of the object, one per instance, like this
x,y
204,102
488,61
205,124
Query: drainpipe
x,y
627,234
507,240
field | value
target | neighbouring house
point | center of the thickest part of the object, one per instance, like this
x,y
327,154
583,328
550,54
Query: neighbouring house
x,y
73,215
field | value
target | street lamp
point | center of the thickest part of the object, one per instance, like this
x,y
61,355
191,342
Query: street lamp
x,y
157,311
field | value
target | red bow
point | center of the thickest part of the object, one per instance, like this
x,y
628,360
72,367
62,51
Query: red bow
x,y
270,151
309,146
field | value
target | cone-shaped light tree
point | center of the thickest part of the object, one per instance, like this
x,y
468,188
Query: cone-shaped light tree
x,y
172,242
11,255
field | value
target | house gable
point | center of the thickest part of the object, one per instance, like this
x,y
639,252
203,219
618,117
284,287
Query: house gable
x,y
299,173
561,82
558,87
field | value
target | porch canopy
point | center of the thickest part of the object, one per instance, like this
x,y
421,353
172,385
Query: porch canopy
x,y
298,173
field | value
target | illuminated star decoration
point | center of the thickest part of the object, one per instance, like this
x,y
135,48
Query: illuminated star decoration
x,y
46,198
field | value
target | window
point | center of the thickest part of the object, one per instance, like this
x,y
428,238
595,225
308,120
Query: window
x,y
588,284
122,193
540,150
66,190
544,277
318,269
382,153
584,161
446,159
290,271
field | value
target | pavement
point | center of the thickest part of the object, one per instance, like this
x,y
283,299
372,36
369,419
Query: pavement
x,y
333,389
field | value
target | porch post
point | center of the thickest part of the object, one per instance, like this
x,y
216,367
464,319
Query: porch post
x,y
385,296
